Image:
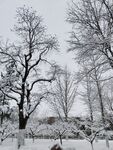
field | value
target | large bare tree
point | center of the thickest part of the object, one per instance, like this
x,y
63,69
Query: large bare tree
x,y
27,66
92,37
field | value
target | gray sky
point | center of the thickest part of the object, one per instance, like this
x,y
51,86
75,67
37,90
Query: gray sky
x,y
54,15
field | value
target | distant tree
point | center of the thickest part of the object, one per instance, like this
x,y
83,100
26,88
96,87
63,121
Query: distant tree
x,y
27,64
64,93
95,77
88,92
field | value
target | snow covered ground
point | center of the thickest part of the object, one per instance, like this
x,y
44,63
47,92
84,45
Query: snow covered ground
x,y
43,144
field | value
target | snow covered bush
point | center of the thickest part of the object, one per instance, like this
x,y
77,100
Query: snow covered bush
x,y
6,130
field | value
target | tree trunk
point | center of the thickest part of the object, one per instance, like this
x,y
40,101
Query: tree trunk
x,y
1,141
107,141
22,125
33,139
22,120
67,137
21,138
60,139
2,117
92,146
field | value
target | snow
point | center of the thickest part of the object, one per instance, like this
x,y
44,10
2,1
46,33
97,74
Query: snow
x,y
45,144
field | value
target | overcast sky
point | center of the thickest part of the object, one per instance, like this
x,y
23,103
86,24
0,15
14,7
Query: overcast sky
x,y
54,16
53,13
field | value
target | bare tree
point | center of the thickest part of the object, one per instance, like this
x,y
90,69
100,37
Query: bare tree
x,y
97,78
90,131
64,92
88,92
108,98
59,130
94,76
92,32
25,64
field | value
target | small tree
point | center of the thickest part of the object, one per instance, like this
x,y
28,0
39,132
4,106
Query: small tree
x,y
58,129
6,131
34,128
89,131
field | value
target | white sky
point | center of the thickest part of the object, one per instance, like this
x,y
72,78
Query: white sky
x,y
54,15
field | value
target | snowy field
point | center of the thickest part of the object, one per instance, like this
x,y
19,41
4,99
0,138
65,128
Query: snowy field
x,y
46,145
